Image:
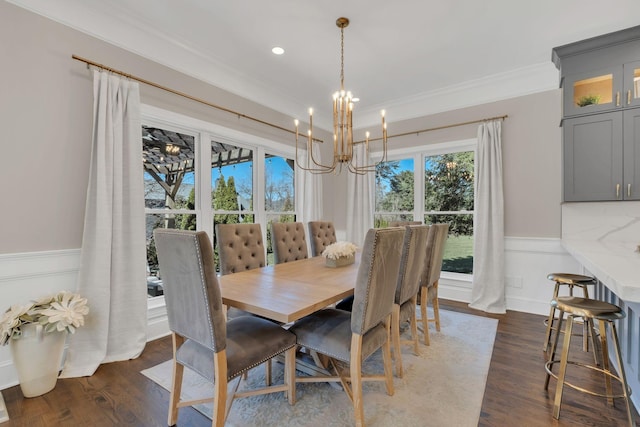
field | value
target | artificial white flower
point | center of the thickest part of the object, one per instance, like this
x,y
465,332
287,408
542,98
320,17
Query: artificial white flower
x,y
67,313
59,312
339,250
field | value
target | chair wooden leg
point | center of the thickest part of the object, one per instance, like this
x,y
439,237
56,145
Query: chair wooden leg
x,y
386,360
355,368
220,389
267,373
290,374
423,314
176,381
413,323
436,306
395,338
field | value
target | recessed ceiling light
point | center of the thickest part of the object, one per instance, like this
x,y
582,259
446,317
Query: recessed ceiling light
x,y
277,50
355,99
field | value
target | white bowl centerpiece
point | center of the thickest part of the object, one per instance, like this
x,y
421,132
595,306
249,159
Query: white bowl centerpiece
x,y
339,254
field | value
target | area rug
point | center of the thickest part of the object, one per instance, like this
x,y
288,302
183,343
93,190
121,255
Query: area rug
x,y
443,386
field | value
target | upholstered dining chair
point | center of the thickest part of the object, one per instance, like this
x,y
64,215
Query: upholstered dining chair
x,y
429,286
289,241
403,223
240,247
321,235
412,265
351,337
203,341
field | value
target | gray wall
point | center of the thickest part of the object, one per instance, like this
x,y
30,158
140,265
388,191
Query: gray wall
x,y
46,108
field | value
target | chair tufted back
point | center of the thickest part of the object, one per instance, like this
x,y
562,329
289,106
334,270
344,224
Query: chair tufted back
x,y
321,235
403,223
240,247
192,293
289,241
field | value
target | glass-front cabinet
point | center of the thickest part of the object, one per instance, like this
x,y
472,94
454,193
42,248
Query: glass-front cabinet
x,y
631,91
602,90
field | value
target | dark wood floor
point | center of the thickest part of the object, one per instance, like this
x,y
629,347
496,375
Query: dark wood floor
x,y
118,395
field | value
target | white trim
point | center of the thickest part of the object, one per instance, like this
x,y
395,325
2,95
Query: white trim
x,y
527,262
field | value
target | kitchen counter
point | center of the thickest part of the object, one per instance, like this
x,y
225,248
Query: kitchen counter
x,y
603,237
614,263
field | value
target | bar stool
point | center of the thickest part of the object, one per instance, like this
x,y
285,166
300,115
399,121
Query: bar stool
x,y
572,281
605,313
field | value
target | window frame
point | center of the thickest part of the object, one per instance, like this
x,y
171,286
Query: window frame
x,y
204,132
419,154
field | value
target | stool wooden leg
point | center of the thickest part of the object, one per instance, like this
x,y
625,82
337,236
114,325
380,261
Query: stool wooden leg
x,y
605,360
550,319
554,346
563,367
585,330
622,375
594,339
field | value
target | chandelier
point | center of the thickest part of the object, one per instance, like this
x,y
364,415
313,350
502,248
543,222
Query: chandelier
x,y
344,154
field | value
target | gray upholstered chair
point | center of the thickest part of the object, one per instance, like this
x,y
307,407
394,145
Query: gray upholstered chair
x,y
240,247
429,286
289,241
412,267
352,337
202,341
321,235
403,223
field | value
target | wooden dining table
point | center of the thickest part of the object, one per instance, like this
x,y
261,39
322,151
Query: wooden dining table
x,y
289,291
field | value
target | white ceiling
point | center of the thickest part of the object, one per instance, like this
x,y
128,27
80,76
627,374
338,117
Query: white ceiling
x,y
411,57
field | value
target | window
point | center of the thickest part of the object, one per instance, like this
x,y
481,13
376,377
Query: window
x,y
441,192
197,175
394,192
448,197
279,195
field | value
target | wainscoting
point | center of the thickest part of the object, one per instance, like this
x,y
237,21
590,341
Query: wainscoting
x,y
26,276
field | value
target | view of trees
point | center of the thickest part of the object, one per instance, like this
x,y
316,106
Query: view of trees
x,y
448,182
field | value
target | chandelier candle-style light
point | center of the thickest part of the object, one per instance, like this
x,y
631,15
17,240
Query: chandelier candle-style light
x,y
343,144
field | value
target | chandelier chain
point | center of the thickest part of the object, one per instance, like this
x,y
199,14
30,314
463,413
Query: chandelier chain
x,y
342,58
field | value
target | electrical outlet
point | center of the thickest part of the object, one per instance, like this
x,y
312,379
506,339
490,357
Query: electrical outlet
x,y
514,282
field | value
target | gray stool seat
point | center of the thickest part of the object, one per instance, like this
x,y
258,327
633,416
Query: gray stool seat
x,y
572,281
606,314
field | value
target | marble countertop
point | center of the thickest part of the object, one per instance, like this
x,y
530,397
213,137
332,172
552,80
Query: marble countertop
x,y
614,263
604,237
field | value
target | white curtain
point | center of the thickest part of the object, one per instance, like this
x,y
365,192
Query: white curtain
x,y
488,292
309,190
112,272
360,190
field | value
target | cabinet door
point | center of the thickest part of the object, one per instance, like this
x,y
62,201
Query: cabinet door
x,y
632,84
592,157
592,92
631,186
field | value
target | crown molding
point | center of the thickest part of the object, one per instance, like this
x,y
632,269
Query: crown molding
x,y
133,34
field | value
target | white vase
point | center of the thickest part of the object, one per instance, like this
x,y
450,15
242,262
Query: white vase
x,y
37,357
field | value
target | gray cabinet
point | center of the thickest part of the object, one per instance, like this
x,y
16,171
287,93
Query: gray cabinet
x,y
631,153
592,157
601,157
600,80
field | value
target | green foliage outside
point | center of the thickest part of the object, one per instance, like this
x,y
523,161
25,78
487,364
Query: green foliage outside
x,y
449,180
